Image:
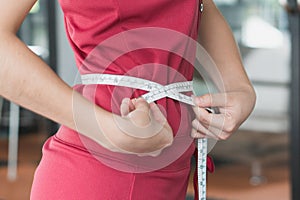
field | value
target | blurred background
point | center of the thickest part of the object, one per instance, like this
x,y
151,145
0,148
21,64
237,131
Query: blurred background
x,y
260,161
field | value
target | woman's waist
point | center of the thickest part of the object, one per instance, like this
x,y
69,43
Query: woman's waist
x,y
169,160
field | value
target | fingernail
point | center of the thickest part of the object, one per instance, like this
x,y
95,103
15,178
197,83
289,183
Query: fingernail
x,y
126,100
134,100
197,100
194,99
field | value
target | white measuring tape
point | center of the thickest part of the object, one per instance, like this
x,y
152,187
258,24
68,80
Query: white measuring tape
x,y
157,91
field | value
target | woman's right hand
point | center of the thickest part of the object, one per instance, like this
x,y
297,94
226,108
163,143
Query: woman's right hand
x,y
28,81
141,129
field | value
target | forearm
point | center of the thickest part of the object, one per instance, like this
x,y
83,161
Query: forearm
x,y
216,37
236,97
24,78
29,82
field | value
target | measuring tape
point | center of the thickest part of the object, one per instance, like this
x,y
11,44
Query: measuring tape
x,y
157,91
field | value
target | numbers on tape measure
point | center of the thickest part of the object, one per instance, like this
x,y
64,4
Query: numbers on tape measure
x,y
157,91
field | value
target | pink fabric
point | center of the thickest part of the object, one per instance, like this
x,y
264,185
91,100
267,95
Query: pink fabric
x,y
68,170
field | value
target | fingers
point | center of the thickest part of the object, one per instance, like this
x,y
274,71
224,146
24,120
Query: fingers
x,y
126,107
129,105
197,134
141,104
200,131
140,116
209,119
211,100
157,114
146,125
219,126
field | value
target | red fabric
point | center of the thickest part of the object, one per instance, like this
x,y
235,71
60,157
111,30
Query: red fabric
x,y
67,169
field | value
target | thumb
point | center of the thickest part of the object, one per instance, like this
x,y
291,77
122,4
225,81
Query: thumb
x,y
157,114
141,104
141,114
211,100
126,107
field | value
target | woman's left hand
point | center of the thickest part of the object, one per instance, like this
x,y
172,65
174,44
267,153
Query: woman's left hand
x,y
234,108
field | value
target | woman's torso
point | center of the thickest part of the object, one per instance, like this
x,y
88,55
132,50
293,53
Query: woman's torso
x,y
97,32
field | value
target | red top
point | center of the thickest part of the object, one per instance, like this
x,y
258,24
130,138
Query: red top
x,y
121,37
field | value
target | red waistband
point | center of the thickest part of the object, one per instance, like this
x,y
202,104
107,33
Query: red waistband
x,y
70,136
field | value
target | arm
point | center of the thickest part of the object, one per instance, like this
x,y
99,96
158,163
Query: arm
x,y
26,80
238,98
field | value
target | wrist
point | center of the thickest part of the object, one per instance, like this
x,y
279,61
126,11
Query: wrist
x,y
134,140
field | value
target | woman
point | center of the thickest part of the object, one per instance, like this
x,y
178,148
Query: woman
x,y
72,166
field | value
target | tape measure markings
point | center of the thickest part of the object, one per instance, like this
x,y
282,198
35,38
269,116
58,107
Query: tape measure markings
x,y
157,91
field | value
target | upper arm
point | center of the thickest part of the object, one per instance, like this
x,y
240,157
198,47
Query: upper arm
x,y
13,12
215,34
216,37
211,20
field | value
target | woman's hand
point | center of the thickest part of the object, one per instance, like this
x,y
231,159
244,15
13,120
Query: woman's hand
x,y
234,108
141,129
237,97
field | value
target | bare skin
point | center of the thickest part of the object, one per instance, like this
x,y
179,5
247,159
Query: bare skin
x,y
238,98
26,80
